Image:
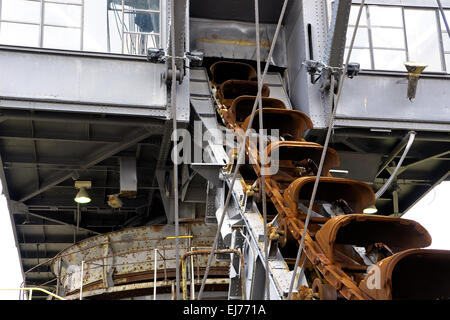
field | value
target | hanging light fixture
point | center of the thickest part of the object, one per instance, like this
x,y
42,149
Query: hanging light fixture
x,y
370,210
82,195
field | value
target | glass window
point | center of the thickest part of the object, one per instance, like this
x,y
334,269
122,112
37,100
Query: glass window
x,y
423,42
21,11
354,14
361,56
385,16
29,34
90,25
388,38
361,39
147,22
62,38
62,15
389,59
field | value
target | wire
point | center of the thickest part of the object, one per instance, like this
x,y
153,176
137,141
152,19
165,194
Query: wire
x,y
325,147
241,152
262,149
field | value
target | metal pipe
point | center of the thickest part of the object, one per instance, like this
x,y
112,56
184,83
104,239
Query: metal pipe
x,y
155,267
175,147
325,147
192,278
380,192
242,150
81,279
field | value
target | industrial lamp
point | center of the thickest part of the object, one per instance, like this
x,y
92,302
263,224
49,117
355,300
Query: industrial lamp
x,y
370,210
82,195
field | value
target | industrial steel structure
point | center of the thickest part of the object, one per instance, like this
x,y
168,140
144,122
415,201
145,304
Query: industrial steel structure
x,y
193,149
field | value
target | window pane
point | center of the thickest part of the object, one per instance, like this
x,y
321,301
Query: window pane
x,y
354,14
423,42
66,1
361,56
62,38
95,26
62,15
389,59
21,11
17,34
388,38
447,17
385,16
137,44
142,4
447,62
362,37
446,41
141,21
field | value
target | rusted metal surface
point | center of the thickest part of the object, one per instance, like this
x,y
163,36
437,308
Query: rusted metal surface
x,y
356,194
412,274
222,71
294,154
291,124
127,256
242,107
364,230
233,89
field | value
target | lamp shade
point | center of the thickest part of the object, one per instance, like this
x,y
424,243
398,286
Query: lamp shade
x,y
82,196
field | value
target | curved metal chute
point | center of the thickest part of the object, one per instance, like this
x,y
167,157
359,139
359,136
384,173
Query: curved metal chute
x,y
222,71
233,89
363,230
294,153
242,107
415,274
357,195
291,124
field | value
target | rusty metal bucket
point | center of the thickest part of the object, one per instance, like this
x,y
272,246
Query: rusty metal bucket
x,y
291,124
364,230
242,107
232,89
292,154
222,71
415,274
358,195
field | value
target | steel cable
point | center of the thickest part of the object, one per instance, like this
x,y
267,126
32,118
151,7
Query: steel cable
x,y
334,106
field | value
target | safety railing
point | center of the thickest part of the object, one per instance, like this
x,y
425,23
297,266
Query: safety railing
x,y
30,296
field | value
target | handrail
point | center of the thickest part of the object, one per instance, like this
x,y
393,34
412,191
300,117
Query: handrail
x,y
36,289
217,251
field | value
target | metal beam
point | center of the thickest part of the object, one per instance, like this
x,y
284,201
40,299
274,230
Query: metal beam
x,y
104,153
60,222
55,137
337,35
78,118
428,158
